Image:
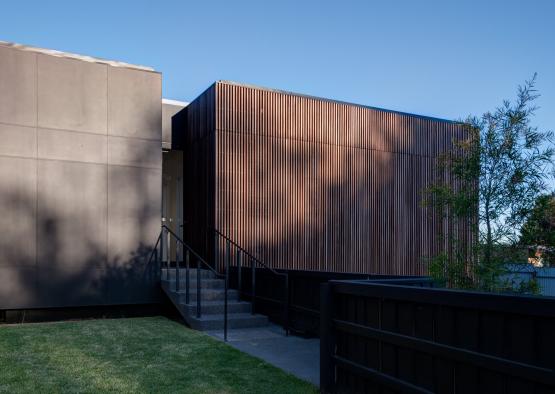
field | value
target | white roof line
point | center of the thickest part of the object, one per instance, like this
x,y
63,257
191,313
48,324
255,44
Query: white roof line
x,y
175,102
75,56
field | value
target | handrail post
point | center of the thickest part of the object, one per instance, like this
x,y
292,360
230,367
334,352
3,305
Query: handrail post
x,y
187,297
168,246
239,275
228,257
216,242
163,245
286,305
177,279
253,284
198,289
159,254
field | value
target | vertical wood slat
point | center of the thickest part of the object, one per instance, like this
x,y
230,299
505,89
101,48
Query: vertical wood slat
x,y
312,184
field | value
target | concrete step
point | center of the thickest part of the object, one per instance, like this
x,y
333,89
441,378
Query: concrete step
x,y
216,307
212,307
209,295
235,320
204,284
216,294
204,274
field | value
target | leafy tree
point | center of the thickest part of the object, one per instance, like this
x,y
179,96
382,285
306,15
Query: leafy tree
x,y
499,169
539,229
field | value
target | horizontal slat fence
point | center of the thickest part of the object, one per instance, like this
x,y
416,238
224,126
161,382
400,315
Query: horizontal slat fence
x,y
304,294
392,338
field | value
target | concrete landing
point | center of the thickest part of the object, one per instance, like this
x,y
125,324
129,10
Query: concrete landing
x,y
296,355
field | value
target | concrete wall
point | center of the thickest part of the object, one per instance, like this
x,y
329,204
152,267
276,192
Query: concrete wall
x,y
169,109
80,176
172,193
172,174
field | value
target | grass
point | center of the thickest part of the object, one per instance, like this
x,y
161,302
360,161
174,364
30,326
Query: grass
x,y
132,356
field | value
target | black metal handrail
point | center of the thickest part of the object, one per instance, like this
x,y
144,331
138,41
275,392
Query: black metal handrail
x,y
195,254
154,250
254,261
200,262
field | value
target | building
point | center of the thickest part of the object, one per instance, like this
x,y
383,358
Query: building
x,y
92,159
80,176
306,183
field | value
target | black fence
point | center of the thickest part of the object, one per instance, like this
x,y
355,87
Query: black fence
x,y
393,337
304,295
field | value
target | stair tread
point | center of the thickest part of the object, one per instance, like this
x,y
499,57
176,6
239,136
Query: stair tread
x,y
193,281
217,302
206,289
213,304
230,317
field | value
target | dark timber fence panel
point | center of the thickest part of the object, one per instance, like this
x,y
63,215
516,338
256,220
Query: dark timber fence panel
x,y
384,337
304,294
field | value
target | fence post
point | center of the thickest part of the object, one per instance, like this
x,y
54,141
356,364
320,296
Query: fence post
x,y
286,305
238,275
227,258
253,286
216,244
187,278
327,340
198,290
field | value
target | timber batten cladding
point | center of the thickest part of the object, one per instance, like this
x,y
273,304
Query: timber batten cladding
x,y
313,184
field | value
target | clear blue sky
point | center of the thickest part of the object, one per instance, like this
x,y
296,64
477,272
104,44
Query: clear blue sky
x,y
439,58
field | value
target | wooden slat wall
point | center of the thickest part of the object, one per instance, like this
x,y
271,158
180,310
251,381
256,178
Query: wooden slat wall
x,y
311,184
197,124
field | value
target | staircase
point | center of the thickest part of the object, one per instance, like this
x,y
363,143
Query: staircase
x,y
213,301
205,300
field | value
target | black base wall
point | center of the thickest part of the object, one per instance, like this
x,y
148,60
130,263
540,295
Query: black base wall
x,y
15,316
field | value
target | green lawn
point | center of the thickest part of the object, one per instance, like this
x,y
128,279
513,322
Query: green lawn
x,y
131,355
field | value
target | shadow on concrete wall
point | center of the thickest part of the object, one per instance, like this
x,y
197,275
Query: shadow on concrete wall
x,y
54,258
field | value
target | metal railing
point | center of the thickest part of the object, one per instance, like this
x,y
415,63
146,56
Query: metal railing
x,y
185,255
254,262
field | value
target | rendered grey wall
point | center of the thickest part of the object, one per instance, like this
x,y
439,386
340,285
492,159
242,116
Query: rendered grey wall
x,y
169,109
80,176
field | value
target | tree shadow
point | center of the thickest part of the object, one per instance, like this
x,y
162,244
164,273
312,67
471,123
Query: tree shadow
x,y
312,202
51,256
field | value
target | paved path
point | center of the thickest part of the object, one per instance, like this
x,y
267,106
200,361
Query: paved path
x,y
296,355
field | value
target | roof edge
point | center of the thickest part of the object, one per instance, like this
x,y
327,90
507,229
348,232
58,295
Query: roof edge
x,y
337,101
75,56
175,102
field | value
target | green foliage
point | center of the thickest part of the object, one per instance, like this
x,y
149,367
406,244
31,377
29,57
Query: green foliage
x,y
539,229
530,287
499,169
513,283
452,273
